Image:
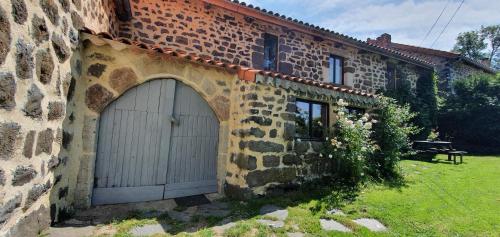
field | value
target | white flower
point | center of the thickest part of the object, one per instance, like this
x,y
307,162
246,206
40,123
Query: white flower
x,y
368,125
326,139
299,140
362,174
365,117
374,121
340,102
341,113
320,155
330,156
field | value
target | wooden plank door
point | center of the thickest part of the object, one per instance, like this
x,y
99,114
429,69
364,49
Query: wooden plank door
x,y
193,153
133,145
157,141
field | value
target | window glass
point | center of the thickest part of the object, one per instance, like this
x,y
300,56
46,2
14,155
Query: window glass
x,y
355,112
391,76
302,119
338,71
311,119
335,69
270,52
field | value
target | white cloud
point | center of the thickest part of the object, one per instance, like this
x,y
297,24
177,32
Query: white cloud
x,y
407,21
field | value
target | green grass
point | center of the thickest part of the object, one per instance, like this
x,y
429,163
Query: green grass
x,y
436,199
439,199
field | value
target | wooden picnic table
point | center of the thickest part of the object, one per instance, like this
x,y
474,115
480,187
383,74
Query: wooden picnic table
x,y
439,147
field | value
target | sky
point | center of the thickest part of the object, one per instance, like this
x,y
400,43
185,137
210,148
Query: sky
x,y
408,21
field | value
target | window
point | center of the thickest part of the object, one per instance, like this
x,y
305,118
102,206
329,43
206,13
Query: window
x,y
355,112
391,77
270,52
311,119
336,72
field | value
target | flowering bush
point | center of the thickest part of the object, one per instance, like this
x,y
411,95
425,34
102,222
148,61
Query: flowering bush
x,y
349,144
392,135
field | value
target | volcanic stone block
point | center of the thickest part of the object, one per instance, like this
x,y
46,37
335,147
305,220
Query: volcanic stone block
x,y
24,60
19,11
44,66
265,146
96,70
271,161
97,97
56,110
35,193
60,48
23,175
51,10
7,91
40,32
33,106
9,133
44,142
289,159
245,162
274,175
122,79
8,207
4,35
2,177
28,144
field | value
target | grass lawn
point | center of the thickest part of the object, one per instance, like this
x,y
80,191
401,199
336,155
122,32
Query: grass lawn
x,y
436,199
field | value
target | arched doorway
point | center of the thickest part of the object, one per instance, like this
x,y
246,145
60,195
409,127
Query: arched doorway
x,y
157,141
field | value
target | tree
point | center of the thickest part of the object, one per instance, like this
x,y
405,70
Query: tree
x,y
471,44
492,35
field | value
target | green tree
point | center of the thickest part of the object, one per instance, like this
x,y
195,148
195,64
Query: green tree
x,y
471,44
492,35
470,117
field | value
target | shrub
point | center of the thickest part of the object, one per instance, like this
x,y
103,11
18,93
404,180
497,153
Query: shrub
x,y
423,102
392,136
470,116
349,145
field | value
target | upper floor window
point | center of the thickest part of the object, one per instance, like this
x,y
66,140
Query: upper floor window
x,y
311,120
391,82
270,52
336,72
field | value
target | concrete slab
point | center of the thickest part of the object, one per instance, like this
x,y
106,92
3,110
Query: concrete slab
x,y
274,211
272,224
330,225
372,224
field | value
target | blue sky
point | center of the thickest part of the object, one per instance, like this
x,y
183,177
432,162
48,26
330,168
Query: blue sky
x,y
407,21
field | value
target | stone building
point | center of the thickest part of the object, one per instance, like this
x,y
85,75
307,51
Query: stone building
x,y
127,101
449,66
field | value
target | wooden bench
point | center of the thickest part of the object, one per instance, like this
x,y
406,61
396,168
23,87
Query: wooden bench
x,y
454,154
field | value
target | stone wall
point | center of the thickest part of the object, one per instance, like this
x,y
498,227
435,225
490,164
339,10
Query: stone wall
x,y
37,40
109,69
265,157
207,30
257,152
459,70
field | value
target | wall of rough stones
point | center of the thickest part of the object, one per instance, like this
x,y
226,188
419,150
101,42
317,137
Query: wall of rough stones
x,y
265,158
37,40
257,153
109,69
207,30
459,70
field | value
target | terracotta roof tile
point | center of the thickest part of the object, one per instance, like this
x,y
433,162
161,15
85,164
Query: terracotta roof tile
x,y
244,73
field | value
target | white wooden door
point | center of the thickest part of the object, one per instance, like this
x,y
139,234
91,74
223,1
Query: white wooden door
x,y
157,141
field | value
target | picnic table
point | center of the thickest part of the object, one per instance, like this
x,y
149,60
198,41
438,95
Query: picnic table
x,y
432,148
